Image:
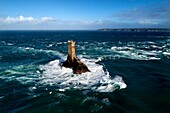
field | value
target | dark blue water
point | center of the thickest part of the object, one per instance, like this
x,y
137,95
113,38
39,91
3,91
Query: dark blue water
x,y
130,72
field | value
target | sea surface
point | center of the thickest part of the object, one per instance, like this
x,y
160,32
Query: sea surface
x,y
130,72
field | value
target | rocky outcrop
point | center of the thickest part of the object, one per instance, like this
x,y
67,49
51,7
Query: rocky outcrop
x,y
73,62
77,66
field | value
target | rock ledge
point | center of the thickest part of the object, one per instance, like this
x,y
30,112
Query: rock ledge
x,y
74,62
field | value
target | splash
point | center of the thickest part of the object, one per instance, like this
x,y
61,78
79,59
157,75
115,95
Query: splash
x,y
51,74
96,80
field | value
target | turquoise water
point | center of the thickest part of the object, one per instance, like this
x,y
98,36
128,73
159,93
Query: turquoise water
x,y
129,72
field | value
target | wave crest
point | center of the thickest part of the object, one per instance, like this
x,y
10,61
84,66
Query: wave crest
x,y
96,80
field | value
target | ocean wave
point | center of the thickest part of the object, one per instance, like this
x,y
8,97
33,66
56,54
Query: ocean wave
x,y
167,54
35,51
6,43
56,44
23,73
10,44
133,53
145,50
52,74
2,43
96,80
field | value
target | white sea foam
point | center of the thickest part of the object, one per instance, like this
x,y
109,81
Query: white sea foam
x,y
156,47
137,54
50,45
122,48
166,53
97,79
33,50
29,48
1,97
10,44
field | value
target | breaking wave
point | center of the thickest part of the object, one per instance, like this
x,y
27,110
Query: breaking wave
x,y
137,54
96,80
146,50
51,74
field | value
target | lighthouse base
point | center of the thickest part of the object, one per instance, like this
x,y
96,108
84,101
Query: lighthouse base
x,y
77,66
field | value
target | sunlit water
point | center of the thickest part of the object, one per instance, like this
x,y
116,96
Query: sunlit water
x,y
129,72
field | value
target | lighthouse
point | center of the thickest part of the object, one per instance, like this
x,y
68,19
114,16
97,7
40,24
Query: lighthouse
x,y
71,49
74,62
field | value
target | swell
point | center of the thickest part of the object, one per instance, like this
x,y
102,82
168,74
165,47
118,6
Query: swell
x,y
63,78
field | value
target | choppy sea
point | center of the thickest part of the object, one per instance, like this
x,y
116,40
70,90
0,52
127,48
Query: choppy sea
x,y
130,72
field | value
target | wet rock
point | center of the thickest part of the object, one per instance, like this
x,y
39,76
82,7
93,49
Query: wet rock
x,y
77,66
73,62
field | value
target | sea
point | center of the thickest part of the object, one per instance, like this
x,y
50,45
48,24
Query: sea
x,y
129,72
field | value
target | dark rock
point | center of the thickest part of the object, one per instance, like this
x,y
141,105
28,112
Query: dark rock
x,y
77,66
74,62
68,63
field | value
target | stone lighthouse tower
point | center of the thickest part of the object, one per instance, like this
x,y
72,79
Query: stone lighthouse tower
x,y
74,62
71,49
